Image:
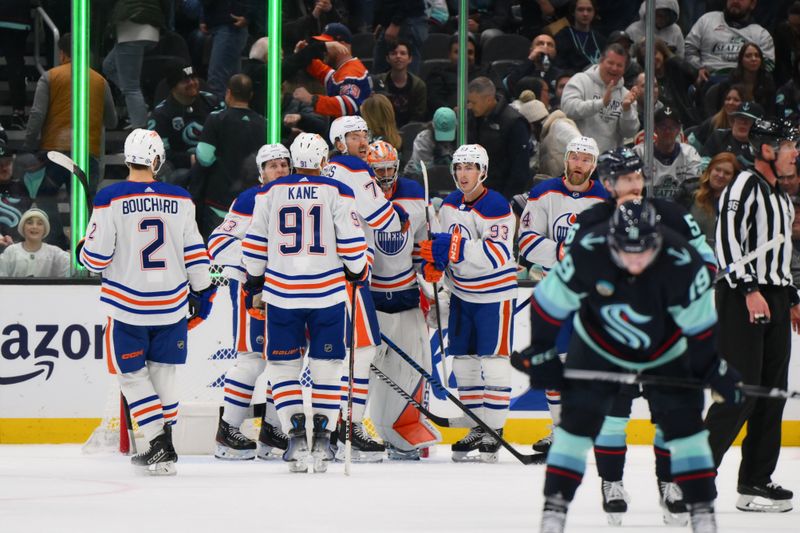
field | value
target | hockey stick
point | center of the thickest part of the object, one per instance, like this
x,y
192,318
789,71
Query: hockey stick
x,y
756,391
460,422
64,161
750,256
523,458
348,438
127,442
445,373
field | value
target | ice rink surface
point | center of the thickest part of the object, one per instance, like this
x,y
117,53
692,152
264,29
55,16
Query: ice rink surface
x,y
54,489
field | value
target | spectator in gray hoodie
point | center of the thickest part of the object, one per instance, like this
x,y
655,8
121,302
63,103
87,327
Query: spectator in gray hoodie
x,y
667,29
599,103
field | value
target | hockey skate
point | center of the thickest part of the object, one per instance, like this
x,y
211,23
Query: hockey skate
x,y
272,442
297,447
543,445
471,442
554,515
160,458
769,498
673,508
702,516
396,454
321,449
232,445
490,447
615,501
364,448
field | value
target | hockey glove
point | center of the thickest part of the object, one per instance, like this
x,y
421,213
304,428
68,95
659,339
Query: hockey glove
x,y
359,278
430,273
725,381
444,310
79,249
545,369
405,222
200,303
442,249
252,296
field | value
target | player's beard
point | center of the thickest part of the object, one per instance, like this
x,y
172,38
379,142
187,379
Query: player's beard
x,y
577,179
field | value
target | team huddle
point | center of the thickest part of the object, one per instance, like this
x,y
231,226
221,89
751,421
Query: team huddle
x,y
327,256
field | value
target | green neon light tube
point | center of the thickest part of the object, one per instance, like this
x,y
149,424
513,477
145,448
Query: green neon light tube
x,y
80,119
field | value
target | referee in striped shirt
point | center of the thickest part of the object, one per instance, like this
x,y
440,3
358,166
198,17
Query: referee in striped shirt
x,y
757,305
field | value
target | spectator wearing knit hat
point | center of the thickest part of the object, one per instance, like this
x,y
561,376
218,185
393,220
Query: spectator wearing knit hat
x,y
535,112
33,257
435,144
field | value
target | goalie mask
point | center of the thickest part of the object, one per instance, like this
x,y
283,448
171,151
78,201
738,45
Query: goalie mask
x,y
144,147
470,153
270,152
382,158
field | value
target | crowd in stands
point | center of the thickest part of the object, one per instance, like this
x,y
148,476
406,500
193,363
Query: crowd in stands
x,y
539,73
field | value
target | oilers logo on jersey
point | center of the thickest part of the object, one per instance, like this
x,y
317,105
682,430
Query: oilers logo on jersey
x,y
460,228
391,242
562,225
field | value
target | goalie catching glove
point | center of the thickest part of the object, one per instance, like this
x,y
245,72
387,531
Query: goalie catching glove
x,y
252,296
200,303
545,368
443,248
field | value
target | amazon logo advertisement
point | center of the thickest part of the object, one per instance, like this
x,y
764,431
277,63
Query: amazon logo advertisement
x,y
37,351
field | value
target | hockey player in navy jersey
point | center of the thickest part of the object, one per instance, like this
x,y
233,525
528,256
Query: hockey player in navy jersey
x,y
475,252
396,294
643,303
305,241
224,245
350,137
620,170
552,208
143,239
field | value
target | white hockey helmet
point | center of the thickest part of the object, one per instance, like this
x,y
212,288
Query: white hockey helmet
x,y
142,147
309,151
582,145
470,153
344,125
268,152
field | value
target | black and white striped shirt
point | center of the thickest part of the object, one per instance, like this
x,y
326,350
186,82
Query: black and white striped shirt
x,y
752,212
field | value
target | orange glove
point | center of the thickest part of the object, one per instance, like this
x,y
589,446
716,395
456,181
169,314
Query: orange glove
x,y
430,273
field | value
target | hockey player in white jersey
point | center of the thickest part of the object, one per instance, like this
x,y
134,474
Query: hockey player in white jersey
x,y
396,294
305,241
350,136
224,245
476,255
552,208
143,239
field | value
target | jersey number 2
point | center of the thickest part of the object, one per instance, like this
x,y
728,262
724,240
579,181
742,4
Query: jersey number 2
x,y
292,223
148,262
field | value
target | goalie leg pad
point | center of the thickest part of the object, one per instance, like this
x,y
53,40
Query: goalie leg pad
x,y
467,369
398,423
325,393
497,393
285,379
240,382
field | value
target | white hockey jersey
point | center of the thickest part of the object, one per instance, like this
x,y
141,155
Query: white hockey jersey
x,y
225,242
143,238
548,216
375,210
304,228
488,272
713,44
671,172
396,262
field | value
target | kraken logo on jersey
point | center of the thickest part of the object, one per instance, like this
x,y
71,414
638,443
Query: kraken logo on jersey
x,y
460,228
619,323
562,225
191,133
178,123
391,242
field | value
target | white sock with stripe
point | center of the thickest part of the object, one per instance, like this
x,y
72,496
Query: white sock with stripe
x,y
285,379
143,402
467,369
325,393
271,414
497,396
363,360
240,383
554,405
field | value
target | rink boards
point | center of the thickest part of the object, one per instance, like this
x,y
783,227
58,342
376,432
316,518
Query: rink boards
x,y
55,386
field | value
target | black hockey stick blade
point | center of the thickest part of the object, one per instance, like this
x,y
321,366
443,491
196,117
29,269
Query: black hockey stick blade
x,y
441,421
67,163
666,381
521,457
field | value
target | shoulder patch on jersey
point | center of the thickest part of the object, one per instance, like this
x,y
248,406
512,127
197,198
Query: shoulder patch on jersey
x,y
682,255
591,239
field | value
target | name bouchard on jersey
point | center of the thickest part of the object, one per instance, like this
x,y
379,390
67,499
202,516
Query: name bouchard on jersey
x,y
149,205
